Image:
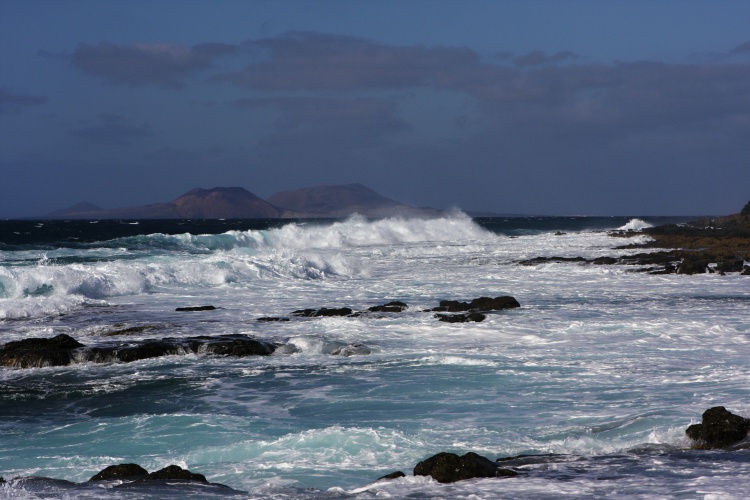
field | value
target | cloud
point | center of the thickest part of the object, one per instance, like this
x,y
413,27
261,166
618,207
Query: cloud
x,y
11,102
113,130
539,58
314,61
163,65
741,49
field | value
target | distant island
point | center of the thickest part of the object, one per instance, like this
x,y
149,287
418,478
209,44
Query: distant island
x,y
239,203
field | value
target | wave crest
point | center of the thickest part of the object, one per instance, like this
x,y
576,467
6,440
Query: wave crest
x,y
635,225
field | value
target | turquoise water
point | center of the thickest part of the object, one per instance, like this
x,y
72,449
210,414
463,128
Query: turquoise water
x,y
602,367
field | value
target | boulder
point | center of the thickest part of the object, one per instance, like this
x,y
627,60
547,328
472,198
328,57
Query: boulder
x,y
121,471
449,467
720,428
480,304
238,346
173,472
730,266
391,307
746,209
693,266
342,311
39,352
323,311
461,318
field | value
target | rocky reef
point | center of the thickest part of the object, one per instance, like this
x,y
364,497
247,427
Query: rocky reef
x,y
720,245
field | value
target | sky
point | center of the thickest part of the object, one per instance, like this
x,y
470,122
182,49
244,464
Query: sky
x,y
595,107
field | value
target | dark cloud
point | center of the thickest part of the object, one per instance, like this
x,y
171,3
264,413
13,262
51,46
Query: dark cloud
x,y
112,129
163,65
314,61
539,58
741,49
11,102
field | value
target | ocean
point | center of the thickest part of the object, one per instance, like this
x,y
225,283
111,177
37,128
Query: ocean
x,y
595,377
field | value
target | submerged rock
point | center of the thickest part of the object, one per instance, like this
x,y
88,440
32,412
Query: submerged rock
x,y
719,429
392,475
173,472
449,467
351,350
323,311
461,318
39,352
195,308
121,471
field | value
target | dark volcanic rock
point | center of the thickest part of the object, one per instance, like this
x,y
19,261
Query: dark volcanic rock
x,y
394,306
719,429
307,313
323,311
269,319
461,318
62,350
342,311
39,352
121,471
480,304
238,346
543,260
149,349
392,475
173,472
746,209
195,308
449,467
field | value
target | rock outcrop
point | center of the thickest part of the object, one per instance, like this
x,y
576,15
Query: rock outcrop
x,y
719,429
37,352
63,350
121,471
449,467
480,304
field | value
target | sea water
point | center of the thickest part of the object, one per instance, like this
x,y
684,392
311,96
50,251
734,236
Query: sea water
x,y
598,373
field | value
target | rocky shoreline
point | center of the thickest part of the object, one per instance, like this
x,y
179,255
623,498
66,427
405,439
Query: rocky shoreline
x,y
719,430
720,245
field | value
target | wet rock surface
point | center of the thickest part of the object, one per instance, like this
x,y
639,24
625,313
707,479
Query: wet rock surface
x,y
449,467
121,471
63,350
36,352
720,245
461,318
479,304
195,308
719,428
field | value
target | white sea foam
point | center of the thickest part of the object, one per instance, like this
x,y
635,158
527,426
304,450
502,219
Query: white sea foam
x,y
635,225
602,365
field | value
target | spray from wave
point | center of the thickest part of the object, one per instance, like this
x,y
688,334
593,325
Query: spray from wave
x,y
635,225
